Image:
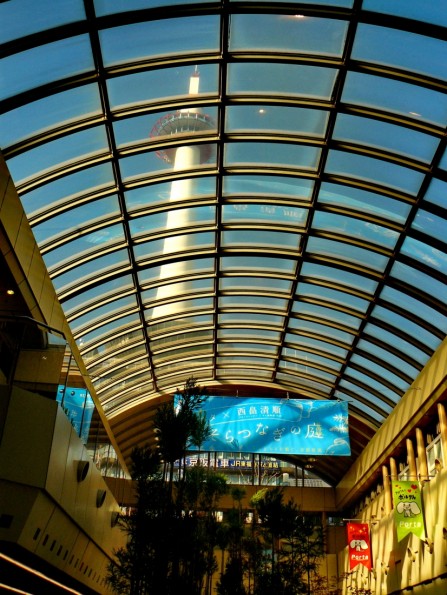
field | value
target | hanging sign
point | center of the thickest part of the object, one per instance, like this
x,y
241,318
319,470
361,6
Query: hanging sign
x,y
359,545
408,513
277,426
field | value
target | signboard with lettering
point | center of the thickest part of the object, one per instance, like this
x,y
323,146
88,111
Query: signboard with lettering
x,y
277,426
408,513
359,545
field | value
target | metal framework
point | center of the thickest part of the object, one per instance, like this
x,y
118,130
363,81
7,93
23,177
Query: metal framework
x,y
305,255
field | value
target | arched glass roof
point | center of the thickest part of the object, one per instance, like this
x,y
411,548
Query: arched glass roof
x,y
252,193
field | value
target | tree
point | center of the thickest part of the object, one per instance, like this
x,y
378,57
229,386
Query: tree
x,y
291,543
171,532
178,425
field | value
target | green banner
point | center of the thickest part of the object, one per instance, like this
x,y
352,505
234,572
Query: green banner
x,y
408,512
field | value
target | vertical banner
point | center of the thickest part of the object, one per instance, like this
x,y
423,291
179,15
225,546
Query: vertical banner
x,y
359,545
408,513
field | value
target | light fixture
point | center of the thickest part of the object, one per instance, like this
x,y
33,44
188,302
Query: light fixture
x,y
10,291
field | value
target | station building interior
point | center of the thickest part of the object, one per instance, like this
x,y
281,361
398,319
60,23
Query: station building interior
x,y
252,193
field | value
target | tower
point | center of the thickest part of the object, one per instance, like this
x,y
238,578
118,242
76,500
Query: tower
x,y
185,121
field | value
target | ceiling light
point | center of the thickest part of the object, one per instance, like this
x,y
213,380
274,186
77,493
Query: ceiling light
x,y
10,291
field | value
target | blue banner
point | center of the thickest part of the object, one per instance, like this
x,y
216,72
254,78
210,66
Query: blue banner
x,y
277,426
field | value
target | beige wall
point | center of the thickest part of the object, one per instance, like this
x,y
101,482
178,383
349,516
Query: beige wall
x,y
53,514
420,565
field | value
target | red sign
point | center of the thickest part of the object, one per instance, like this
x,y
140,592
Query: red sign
x,y
359,545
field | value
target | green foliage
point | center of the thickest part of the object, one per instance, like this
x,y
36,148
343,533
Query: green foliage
x,y
172,533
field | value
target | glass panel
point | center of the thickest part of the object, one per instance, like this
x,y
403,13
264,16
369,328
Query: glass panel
x,y
390,358
71,251
176,354
24,17
42,115
259,263
178,243
362,408
437,193
429,12
346,3
261,153
405,325
126,303
431,225
291,120
163,125
397,343
103,7
121,359
240,359
348,253
389,137
420,281
262,213
245,347
300,369
43,64
175,269
365,395
68,188
91,270
401,49
396,97
306,326
332,295
173,290
355,229
177,219
309,358
240,334
179,339
323,313
121,346
364,202
152,194
332,274
74,219
261,185
152,85
254,283
415,307
280,80
422,252
269,32
376,171
251,301
304,384
140,41
60,152
374,385
187,322
151,163
179,307
112,327
263,238
381,371
98,293
302,342
251,318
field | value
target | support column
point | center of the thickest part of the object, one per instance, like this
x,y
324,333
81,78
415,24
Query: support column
x,y
413,472
387,490
443,427
393,469
422,455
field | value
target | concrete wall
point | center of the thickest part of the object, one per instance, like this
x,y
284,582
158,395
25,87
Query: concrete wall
x,y
52,513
